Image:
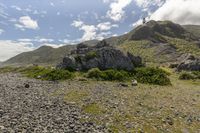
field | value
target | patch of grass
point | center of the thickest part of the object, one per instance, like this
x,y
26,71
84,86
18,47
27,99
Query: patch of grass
x,y
140,48
94,109
47,73
91,55
9,69
184,46
75,96
152,75
167,70
189,75
108,75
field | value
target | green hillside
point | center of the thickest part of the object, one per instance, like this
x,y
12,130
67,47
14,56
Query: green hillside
x,y
44,55
195,29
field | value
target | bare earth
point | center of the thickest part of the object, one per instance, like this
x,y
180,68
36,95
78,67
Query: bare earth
x,y
97,107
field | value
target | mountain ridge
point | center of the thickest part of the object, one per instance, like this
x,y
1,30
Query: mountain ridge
x,y
163,39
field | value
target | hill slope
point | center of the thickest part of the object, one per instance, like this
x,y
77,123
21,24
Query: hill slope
x,y
195,29
45,55
156,42
159,42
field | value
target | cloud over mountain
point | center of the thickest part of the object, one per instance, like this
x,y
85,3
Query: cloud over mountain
x,y
27,22
11,48
179,11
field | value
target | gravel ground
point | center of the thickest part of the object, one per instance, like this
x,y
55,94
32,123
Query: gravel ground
x,y
82,105
26,105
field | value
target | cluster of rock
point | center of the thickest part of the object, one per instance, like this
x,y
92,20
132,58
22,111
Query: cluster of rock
x,y
102,56
187,62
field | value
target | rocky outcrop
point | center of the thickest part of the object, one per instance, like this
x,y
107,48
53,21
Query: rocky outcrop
x,y
100,56
189,63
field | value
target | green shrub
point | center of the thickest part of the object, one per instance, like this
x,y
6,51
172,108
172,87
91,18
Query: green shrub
x,y
197,74
94,73
111,75
47,73
189,75
91,55
152,75
108,75
58,75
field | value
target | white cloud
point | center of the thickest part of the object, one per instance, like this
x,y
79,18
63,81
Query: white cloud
x,y
1,31
53,45
37,39
77,23
146,3
179,11
106,1
11,48
3,13
44,40
106,26
25,22
89,32
116,11
92,32
16,7
52,4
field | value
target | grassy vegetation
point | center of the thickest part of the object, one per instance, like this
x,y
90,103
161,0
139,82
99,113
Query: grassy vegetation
x,y
47,73
189,75
139,48
91,55
145,108
75,96
184,46
143,75
147,75
94,109
154,54
108,75
152,75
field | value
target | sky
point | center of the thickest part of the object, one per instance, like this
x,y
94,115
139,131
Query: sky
x,y
28,24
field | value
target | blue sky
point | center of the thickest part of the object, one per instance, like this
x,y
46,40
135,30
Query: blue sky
x,y
28,24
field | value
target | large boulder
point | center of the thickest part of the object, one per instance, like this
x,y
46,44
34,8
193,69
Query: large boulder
x,y
101,56
189,63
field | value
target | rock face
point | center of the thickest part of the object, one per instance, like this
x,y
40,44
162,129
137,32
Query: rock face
x,y
189,63
101,56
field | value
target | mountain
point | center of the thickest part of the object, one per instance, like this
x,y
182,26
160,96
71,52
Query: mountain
x,y
159,42
45,55
195,29
156,42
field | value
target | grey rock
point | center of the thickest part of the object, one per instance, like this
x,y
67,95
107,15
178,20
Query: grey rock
x,y
100,56
189,63
123,85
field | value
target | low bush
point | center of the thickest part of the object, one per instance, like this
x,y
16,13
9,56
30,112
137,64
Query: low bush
x,y
189,75
91,55
152,75
58,75
108,75
47,73
197,74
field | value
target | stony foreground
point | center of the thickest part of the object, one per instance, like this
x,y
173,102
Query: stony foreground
x,y
27,106
80,105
